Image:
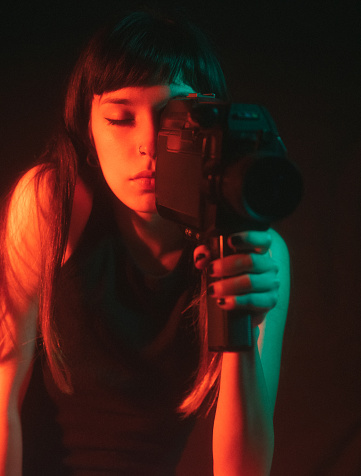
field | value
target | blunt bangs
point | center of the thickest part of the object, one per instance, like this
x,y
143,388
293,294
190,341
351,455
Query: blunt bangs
x,y
144,50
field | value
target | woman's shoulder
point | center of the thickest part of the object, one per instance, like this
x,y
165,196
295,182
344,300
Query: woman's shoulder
x,y
28,221
25,229
35,183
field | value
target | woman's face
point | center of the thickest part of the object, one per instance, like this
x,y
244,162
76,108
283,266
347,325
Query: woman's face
x,y
124,126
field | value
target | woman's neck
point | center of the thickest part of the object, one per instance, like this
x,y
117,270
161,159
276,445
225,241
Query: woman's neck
x,y
154,243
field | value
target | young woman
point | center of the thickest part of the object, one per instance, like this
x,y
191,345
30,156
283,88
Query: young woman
x,y
104,361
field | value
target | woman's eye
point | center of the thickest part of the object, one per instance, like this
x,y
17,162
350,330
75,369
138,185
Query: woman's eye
x,y
121,122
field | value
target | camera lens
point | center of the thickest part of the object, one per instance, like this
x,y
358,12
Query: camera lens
x,y
272,189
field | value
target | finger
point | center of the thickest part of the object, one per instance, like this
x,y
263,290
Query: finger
x,y
259,241
258,303
201,257
245,283
242,263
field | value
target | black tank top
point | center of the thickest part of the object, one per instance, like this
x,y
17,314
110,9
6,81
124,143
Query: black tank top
x,y
132,351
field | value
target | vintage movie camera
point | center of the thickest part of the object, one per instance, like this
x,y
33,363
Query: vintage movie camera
x,y
222,168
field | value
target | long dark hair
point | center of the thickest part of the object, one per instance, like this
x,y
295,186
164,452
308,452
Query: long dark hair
x,y
142,49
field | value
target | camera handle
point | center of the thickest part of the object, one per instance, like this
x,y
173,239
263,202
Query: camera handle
x,y
228,331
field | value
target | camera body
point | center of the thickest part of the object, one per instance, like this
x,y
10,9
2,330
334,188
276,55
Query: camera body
x,y
222,167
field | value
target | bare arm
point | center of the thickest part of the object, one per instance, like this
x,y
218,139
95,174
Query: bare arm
x,y
243,428
18,313
256,282
15,371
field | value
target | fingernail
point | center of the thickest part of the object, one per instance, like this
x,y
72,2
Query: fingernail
x,y
200,256
210,290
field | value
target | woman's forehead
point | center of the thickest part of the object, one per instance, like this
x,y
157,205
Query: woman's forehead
x,y
134,95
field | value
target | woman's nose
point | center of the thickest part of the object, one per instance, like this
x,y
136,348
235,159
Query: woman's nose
x,y
149,136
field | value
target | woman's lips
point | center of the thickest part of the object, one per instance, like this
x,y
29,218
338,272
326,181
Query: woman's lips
x,y
144,174
145,180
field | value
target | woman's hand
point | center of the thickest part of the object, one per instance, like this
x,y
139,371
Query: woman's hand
x,y
246,280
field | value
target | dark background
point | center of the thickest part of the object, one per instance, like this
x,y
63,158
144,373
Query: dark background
x,y
302,61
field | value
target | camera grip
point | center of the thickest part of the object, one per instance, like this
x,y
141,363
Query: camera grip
x,y
228,331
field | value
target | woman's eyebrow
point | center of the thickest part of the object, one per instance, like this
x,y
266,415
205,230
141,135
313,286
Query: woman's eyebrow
x,y
115,100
